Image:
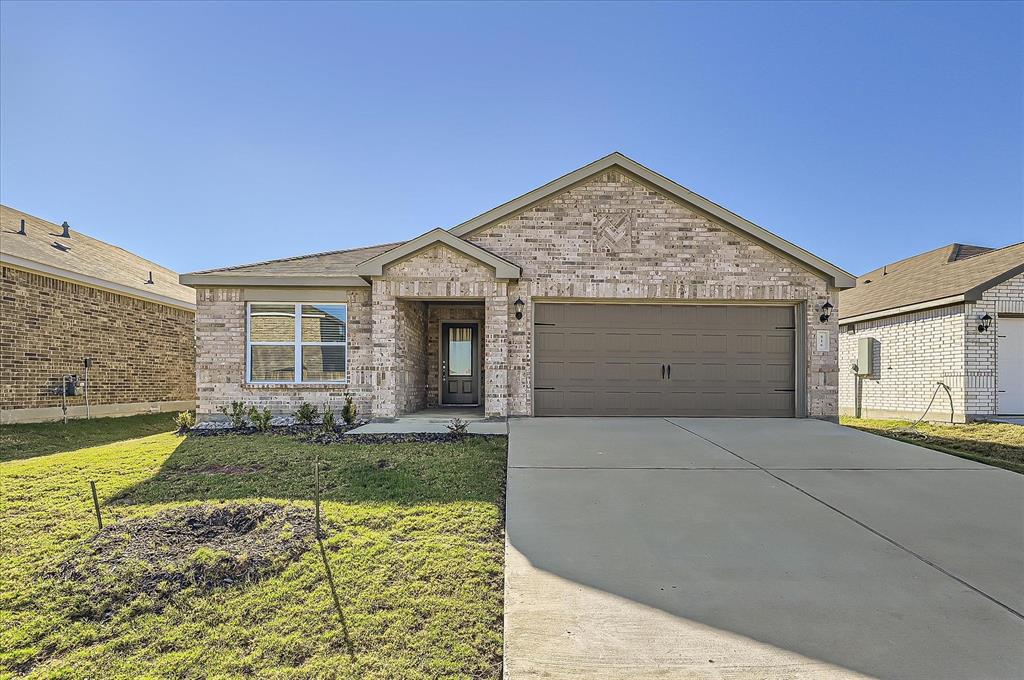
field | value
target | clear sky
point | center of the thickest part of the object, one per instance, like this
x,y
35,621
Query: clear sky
x,y
203,135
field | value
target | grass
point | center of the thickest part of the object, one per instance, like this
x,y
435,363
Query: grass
x,y
41,439
414,542
998,444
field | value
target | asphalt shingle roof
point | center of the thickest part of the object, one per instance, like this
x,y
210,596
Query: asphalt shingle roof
x,y
86,256
955,269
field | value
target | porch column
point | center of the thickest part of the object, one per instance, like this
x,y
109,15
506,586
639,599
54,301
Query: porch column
x,y
385,355
496,354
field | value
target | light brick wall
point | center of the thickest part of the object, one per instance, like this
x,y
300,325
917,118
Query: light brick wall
x,y
982,348
220,362
668,252
435,273
911,353
143,352
915,351
411,356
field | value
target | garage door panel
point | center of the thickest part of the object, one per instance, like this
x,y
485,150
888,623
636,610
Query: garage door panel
x,y
608,359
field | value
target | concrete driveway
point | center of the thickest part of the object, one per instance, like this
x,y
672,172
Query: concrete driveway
x,y
668,548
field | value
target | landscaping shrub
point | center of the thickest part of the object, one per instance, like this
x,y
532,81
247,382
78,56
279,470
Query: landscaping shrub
x,y
185,421
260,418
237,413
327,424
457,426
307,413
348,411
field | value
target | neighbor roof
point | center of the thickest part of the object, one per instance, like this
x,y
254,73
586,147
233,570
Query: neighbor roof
x,y
86,260
347,267
947,275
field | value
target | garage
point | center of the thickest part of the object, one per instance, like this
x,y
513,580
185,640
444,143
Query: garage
x,y
664,360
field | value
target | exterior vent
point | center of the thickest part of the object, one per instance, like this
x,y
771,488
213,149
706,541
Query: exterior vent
x,y
22,230
149,281
67,230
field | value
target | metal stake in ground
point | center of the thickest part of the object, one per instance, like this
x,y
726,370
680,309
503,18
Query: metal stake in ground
x,y
316,496
96,504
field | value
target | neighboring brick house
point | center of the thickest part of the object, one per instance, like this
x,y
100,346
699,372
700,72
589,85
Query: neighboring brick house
x,y
948,323
610,291
67,297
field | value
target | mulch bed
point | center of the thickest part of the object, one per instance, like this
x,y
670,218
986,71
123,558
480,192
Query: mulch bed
x,y
395,438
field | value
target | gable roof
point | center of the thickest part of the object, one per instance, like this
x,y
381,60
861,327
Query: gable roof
x,y
503,269
946,275
347,267
86,260
332,268
840,277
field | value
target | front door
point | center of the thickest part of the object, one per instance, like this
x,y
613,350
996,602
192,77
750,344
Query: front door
x,y
460,363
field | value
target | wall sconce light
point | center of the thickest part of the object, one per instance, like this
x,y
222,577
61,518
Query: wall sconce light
x,y
518,305
986,321
826,312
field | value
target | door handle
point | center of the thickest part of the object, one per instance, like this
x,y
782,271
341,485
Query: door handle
x,y
663,371
670,371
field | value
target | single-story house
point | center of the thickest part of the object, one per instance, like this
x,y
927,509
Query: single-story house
x,y
609,291
69,300
945,328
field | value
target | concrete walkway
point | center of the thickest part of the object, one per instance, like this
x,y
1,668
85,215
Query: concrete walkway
x,y
680,548
436,420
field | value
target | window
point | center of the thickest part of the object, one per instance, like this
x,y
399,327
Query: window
x,y
297,343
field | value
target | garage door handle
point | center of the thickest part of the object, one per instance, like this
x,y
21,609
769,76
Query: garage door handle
x,y
670,371
663,371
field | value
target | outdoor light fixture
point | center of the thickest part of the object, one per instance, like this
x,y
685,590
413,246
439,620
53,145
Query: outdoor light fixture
x,y
826,312
519,304
986,321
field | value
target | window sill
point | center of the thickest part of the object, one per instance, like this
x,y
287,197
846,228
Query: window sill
x,y
296,386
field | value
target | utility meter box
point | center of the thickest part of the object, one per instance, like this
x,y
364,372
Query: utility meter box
x,y
864,356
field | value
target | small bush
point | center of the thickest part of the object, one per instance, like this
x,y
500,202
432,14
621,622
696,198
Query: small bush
x,y
307,413
260,418
348,411
327,424
237,413
457,426
185,421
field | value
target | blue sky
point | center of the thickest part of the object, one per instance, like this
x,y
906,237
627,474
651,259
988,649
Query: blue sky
x,y
204,135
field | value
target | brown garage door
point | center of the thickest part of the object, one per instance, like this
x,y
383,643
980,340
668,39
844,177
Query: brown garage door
x,y
646,359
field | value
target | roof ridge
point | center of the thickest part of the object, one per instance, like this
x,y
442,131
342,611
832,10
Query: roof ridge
x,y
296,257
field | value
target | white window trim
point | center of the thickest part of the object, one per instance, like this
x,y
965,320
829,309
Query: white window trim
x,y
297,344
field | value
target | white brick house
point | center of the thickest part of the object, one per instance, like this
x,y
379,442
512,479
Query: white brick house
x,y
948,323
611,290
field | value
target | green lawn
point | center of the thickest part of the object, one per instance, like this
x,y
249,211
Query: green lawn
x,y
999,444
414,539
40,439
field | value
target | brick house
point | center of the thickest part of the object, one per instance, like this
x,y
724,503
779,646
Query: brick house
x,y
611,290
947,323
67,297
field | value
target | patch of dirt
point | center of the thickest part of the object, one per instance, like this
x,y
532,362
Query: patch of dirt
x,y
397,438
199,546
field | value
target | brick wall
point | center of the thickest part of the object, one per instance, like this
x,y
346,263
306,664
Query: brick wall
x,y
911,353
613,237
915,351
220,362
411,354
143,352
982,348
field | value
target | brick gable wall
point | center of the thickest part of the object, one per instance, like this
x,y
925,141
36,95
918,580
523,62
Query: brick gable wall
x,y
613,237
143,352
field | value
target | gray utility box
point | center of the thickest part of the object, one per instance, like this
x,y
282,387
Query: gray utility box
x,y
864,355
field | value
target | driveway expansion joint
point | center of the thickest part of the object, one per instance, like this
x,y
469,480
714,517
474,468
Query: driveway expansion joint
x,y
892,541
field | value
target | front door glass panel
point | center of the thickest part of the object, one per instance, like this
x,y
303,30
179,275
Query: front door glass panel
x,y
460,352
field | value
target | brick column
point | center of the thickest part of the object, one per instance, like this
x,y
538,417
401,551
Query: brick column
x,y
496,354
385,355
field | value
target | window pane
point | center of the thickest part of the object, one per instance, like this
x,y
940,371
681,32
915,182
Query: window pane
x,y
323,364
323,323
272,363
271,323
460,351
